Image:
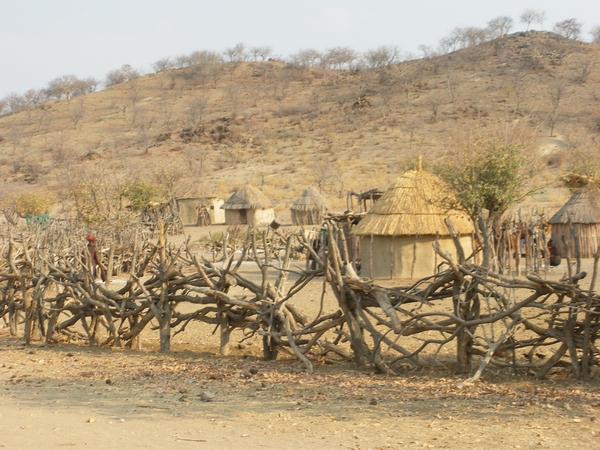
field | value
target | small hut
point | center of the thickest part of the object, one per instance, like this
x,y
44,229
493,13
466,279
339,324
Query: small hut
x,y
201,211
248,206
309,208
398,233
582,210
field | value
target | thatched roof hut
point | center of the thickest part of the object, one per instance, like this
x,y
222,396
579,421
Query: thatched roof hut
x,y
583,211
248,206
398,233
309,208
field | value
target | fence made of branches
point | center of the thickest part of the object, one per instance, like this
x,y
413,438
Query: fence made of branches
x,y
464,318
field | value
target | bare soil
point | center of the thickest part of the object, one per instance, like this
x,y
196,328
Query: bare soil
x,y
55,396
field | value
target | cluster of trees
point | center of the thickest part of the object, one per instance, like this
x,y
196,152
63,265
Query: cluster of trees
x,y
66,86
463,37
209,64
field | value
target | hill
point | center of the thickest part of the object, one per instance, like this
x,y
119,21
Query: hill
x,y
208,128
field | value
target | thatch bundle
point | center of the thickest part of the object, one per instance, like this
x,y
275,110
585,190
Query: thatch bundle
x,y
413,205
309,208
582,214
248,197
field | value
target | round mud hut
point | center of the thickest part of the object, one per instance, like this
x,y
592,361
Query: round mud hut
x,y
582,210
309,208
398,233
248,206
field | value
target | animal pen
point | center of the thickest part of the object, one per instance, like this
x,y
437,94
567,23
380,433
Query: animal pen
x,y
463,317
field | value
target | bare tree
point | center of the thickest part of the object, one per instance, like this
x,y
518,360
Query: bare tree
x,y
595,32
411,128
62,87
519,87
233,94
197,107
77,111
452,82
583,69
428,51
237,53
434,104
500,26
531,15
338,58
205,57
197,159
124,74
181,61
569,28
162,64
541,18
15,102
206,68
473,36
321,174
263,52
382,56
557,92
306,58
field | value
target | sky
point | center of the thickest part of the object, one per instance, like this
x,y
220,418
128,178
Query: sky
x,y
44,39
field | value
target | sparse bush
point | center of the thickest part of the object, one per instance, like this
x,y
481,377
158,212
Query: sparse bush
x,y
141,194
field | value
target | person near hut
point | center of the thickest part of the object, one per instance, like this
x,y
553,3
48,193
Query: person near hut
x,y
94,258
553,258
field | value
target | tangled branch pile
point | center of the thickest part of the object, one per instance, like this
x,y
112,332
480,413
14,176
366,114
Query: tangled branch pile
x,y
529,322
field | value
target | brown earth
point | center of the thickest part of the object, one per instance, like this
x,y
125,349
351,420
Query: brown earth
x,y
73,396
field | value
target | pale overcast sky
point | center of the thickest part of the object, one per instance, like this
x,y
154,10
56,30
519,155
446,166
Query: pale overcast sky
x,y
44,39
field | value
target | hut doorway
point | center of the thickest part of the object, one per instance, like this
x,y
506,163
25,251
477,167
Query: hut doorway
x,y
243,217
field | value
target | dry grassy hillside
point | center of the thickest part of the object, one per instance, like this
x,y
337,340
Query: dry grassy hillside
x,y
206,130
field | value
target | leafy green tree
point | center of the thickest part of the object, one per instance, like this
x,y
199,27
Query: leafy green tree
x,y
487,173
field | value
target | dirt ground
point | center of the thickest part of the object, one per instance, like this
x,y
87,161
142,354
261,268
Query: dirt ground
x,y
74,396
70,395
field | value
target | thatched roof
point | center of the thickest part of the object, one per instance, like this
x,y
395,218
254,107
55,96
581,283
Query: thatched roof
x,y
413,205
310,200
582,207
248,197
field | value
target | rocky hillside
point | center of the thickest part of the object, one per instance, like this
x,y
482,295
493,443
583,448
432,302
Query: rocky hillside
x,y
208,128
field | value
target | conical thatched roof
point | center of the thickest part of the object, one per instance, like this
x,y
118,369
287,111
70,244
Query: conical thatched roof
x,y
413,205
582,207
248,197
310,200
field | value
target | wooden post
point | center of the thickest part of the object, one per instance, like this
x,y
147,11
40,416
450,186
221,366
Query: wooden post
x,y
109,266
585,359
392,256
164,308
371,258
414,261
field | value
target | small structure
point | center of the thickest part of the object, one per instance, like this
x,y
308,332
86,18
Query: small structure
x,y
248,206
309,208
364,200
582,210
398,233
201,211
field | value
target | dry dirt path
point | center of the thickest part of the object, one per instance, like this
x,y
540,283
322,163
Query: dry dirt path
x,y
53,397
